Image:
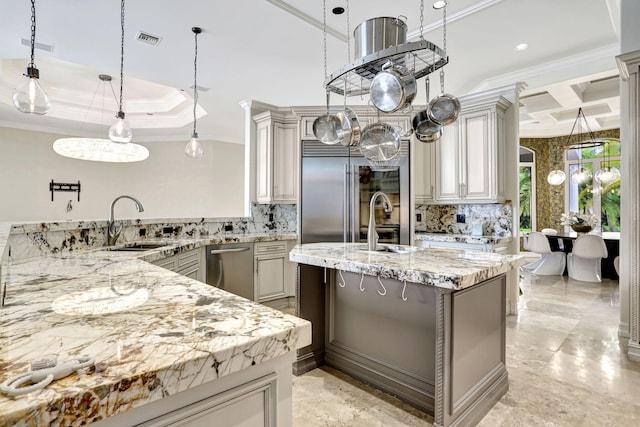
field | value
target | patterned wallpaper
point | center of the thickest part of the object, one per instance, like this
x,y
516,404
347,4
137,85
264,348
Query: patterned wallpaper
x,y
549,198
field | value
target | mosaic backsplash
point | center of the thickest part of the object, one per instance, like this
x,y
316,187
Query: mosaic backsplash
x,y
37,239
496,219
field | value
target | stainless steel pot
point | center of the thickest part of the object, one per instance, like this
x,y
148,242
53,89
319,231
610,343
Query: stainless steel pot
x,y
393,88
328,128
376,34
380,142
426,129
350,125
444,109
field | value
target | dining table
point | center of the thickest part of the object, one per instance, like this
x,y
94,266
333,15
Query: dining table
x,y
564,242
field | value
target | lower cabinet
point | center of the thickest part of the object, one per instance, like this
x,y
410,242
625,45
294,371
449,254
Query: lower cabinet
x,y
272,270
187,263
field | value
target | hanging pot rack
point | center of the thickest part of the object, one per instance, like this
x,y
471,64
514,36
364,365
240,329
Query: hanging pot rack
x,y
421,57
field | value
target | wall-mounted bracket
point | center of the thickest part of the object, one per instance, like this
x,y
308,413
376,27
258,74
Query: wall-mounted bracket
x,y
61,186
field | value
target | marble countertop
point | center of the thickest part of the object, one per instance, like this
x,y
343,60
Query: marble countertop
x,y
461,238
445,268
152,333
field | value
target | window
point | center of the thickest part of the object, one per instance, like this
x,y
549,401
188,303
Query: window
x,y
600,199
527,190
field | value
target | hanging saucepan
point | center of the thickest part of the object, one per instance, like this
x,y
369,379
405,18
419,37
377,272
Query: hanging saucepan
x,y
351,132
328,128
426,130
380,142
392,88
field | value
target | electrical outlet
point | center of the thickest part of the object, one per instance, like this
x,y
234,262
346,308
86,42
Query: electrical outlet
x,y
418,217
228,227
270,217
461,218
167,230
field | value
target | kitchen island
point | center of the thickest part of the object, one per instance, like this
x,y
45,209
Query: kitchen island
x,y
165,346
427,325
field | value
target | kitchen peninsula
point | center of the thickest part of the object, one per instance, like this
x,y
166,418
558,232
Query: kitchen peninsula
x,y
166,347
427,325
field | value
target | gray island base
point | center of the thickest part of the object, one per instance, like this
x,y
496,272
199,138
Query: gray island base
x,y
440,348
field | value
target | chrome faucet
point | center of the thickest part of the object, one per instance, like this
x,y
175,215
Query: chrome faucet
x,y
113,230
372,234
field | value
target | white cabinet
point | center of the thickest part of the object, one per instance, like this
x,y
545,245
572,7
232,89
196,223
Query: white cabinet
x,y
469,158
276,158
424,171
187,263
272,270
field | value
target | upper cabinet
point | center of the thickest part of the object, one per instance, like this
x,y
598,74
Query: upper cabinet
x,y
468,162
276,158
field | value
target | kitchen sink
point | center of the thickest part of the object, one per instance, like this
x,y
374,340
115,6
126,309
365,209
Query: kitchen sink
x,y
398,249
138,247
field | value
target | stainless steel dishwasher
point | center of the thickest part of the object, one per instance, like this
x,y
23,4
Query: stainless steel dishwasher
x,y
230,267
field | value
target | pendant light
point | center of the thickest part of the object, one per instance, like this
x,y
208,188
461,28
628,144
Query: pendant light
x,y
193,148
582,175
29,97
607,174
120,131
100,149
557,176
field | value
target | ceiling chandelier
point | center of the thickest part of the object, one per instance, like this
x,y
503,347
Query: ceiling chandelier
x,y
120,131
582,175
29,97
100,149
193,148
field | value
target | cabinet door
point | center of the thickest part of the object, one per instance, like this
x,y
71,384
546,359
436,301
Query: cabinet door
x,y
285,163
270,274
424,171
263,162
477,155
447,161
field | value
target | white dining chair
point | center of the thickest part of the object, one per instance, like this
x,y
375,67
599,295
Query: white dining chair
x,y
583,263
550,263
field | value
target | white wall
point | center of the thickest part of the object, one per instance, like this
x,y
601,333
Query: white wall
x,y
169,184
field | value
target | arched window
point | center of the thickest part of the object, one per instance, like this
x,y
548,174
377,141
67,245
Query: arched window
x,y
527,189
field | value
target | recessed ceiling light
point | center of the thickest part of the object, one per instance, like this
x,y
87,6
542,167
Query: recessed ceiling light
x,y
521,46
439,4
338,10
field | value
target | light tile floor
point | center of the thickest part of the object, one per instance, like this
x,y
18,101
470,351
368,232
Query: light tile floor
x,y
567,367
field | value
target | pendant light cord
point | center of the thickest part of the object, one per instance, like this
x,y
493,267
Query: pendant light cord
x,y
121,51
33,31
195,78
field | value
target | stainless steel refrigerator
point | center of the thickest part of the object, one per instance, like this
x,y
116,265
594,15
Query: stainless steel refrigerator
x,y
337,185
336,188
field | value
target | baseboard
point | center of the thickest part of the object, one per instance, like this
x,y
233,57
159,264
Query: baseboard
x,y
623,330
634,351
308,362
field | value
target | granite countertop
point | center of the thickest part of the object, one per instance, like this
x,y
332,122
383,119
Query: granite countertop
x,y
152,332
461,238
445,268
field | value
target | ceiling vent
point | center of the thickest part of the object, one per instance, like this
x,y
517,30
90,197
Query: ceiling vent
x,y
41,46
148,38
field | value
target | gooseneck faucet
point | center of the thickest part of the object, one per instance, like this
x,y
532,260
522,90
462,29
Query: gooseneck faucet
x,y
113,230
372,234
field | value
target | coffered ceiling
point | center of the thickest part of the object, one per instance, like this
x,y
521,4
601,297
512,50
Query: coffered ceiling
x,y
272,51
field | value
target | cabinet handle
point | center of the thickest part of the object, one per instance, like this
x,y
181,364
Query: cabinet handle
x,y
226,251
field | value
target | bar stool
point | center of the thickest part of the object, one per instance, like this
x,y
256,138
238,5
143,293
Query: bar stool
x,y
584,260
550,263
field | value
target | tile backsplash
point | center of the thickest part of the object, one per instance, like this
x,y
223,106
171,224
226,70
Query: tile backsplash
x,y
496,219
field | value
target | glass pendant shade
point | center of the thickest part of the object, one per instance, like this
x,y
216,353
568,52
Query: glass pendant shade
x,y
581,176
556,177
193,148
29,97
120,132
100,150
607,175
